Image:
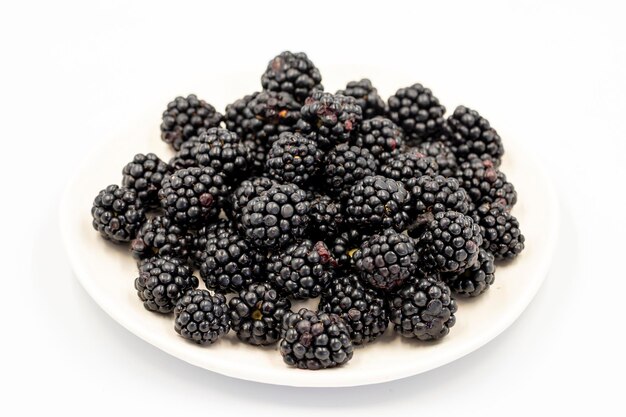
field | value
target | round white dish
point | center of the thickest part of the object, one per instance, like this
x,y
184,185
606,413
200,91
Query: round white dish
x,y
107,271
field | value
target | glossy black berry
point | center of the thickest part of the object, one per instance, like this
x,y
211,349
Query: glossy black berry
x,y
201,317
484,183
366,97
326,218
382,137
161,236
345,165
117,214
500,230
476,279
293,158
408,166
187,117
438,194
144,175
292,73
417,112
443,155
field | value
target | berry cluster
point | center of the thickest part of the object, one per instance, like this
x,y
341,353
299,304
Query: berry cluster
x,y
384,210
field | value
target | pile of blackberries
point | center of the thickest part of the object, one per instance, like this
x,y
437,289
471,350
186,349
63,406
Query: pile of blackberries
x,y
383,210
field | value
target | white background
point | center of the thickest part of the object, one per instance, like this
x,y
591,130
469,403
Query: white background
x,y
552,72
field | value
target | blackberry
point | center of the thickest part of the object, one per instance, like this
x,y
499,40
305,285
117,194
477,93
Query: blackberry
x,y
326,217
161,236
408,166
366,96
469,134
443,156
335,118
417,112
246,191
277,217
476,279
377,203
345,165
256,314
292,73
437,194
344,245
293,158
117,213
193,195
362,309
162,281
500,230
302,270
315,340
144,175
187,117
449,243
381,137
263,116
229,263
386,260
201,317
423,308
484,183
198,244
258,155
221,150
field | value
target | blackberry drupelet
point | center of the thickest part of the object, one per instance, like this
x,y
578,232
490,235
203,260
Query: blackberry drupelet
x,y
223,151
187,117
449,243
476,279
345,165
335,118
423,308
302,270
469,134
277,217
229,263
193,195
315,340
292,73
437,194
161,236
443,156
293,158
144,175
484,183
201,317
326,218
257,313
381,137
386,260
246,191
417,112
344,246
366,97
408,166
500,230
377,203
363,310
162,281
117,214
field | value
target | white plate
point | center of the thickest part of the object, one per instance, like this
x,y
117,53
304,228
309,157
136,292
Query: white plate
x,y
107,271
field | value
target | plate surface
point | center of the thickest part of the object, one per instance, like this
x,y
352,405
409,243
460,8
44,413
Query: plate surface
x,y
107,271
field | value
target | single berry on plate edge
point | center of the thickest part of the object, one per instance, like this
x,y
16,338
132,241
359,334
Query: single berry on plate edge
x,y
364,310
276,217
117,214
366,97
386,260
293,158
202,317
292,73
500,230
476,279
417,111
423,309
382,137
159,235
229,262
256,314
162,281
313,340
187,117
377,203
301,270
194,195
144,175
